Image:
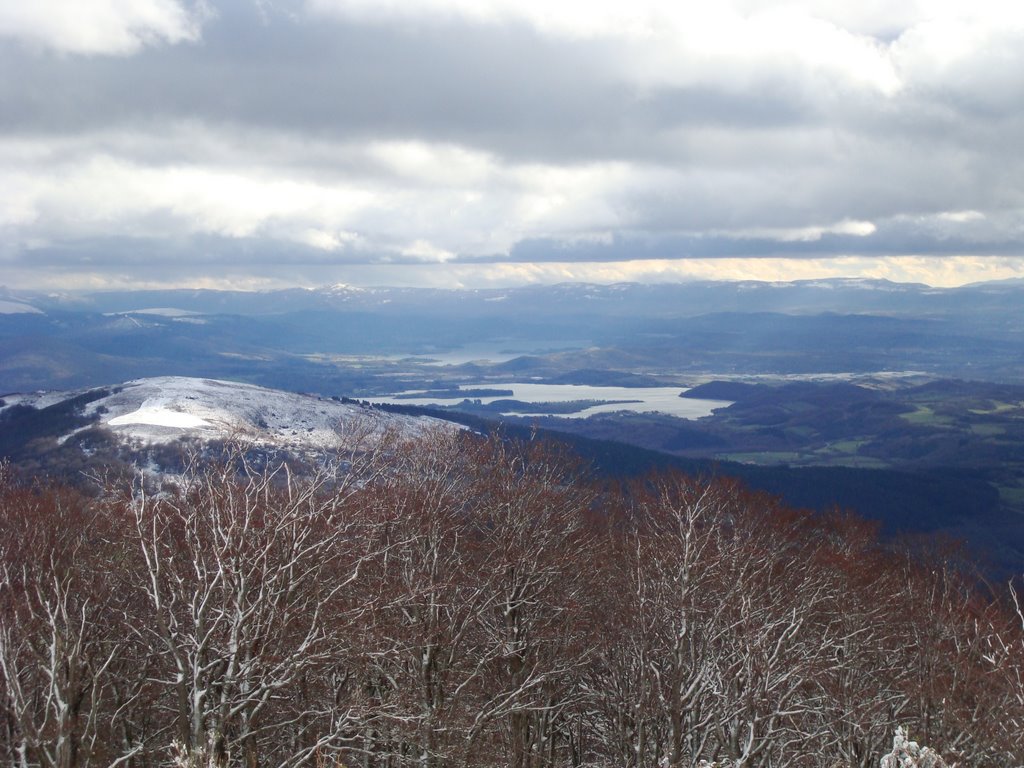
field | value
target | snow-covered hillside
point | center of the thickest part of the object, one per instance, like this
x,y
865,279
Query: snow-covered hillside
x,y
165,409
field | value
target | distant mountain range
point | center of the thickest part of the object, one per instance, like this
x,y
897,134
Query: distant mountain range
x,y
300,339
685,299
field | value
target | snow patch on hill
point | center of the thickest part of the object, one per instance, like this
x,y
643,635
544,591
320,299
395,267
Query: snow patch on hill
x,y
17,308
158,416
171,312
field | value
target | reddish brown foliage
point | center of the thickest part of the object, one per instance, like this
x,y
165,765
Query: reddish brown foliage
x,y
453,601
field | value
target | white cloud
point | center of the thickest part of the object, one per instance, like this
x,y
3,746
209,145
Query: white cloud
x,y
100,26
325,240
565,18
428,131
419,201
103,196
409,199
817,44
423,250
975,55
670,41
960,217
423,162
806,234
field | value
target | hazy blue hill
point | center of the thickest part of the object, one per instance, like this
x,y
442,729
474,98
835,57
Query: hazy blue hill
x,y
622,299
961,388
602,334
735,391
602,378
959,502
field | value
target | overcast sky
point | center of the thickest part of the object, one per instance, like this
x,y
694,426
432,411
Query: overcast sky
x,y
259,143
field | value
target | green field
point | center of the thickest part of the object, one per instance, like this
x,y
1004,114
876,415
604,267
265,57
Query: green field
x,y
988,430
926,417
766,457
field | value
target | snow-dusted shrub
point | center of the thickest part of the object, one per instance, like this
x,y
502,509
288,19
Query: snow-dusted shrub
x,y
908,754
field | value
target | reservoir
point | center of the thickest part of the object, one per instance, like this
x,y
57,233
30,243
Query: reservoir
x,y
643,399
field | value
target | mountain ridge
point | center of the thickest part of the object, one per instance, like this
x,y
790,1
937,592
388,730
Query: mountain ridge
x,y
160,411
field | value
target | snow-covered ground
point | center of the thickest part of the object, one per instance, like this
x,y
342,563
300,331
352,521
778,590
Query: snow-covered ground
x,y
17,307
165,409
172,312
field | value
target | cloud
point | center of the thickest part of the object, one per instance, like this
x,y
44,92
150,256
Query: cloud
x,y
104,195
808,234
452,135
90,27
970,57
409,199
664,42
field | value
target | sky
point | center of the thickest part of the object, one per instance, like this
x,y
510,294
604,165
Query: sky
x,y
447,143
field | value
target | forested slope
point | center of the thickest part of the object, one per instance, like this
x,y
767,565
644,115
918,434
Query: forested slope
x,y
454,601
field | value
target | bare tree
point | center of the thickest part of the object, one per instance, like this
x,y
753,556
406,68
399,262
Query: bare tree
x,y
530,541
1004,656
417,644
244,574
654,676
60,637
447,601
864,685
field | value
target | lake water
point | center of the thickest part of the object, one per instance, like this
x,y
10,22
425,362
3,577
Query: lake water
x,y
650,399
